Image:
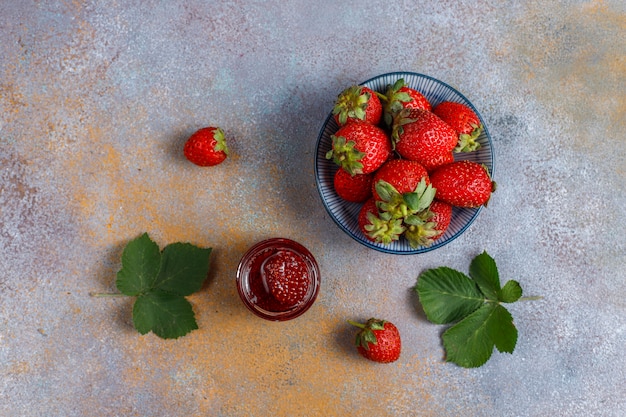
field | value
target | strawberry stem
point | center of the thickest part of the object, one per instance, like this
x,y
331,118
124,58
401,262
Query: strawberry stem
x,y
359,325
381,96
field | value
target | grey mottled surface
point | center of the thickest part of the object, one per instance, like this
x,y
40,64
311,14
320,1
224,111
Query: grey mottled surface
x,y
96,101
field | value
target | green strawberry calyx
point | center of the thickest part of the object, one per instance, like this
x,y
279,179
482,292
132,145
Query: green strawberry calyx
x,y
344,154
468,142
399,119
366,335
351,103
420,232
220,141
383,228
401,206
394,100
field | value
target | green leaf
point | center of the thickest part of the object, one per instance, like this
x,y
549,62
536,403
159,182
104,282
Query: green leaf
x,y
447,295
468,343
184,267
160,281
169,316
484,271
141,262
511,292
501,329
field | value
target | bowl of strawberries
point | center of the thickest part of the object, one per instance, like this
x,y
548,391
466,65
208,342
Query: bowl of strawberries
x,y
404,163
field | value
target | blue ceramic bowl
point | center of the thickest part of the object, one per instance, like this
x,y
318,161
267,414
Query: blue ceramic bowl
x,y
345,214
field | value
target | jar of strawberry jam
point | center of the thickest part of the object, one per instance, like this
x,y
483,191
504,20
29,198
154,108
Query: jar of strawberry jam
x,y
278,279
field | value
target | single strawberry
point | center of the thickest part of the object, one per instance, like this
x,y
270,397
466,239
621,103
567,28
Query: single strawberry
x,y
432,164
354,188
378,227
420,135
206,147
401,188
378,340
403,174
426,227
463,184
360,148
464,121
400,96
357,103
287,277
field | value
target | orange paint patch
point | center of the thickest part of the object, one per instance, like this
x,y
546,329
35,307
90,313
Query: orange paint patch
x,y
240,365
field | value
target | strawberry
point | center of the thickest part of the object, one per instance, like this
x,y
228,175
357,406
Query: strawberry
x,y
402,174
378,340
401,187
437,161
425,228
357,103
286,276
354,188
463,184
464,121
360,148
399,96
367,214
420,135
378,227
206,147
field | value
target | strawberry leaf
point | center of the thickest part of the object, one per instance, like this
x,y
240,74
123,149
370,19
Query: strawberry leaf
x,y
169,316
448,295
141,261
160,281
468,343
511,292
184,268
474,304
483,270
501,329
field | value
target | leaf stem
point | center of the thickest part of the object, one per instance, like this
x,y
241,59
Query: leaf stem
x,y
107,294
531,298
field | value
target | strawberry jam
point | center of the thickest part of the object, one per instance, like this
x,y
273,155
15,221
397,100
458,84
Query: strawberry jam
x,y
278,279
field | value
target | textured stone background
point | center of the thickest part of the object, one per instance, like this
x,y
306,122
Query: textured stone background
x,y
96,101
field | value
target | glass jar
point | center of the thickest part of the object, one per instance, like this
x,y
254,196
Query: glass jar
x,y
253,288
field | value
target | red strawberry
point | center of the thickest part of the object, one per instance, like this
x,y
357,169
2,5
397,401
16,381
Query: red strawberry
x,y
287,277
378,340
357,103
360,148
399,96
378,227
429,226
367,212
437,161
402,188
354,188
402,174
420,135
464,121
463,184
206,147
